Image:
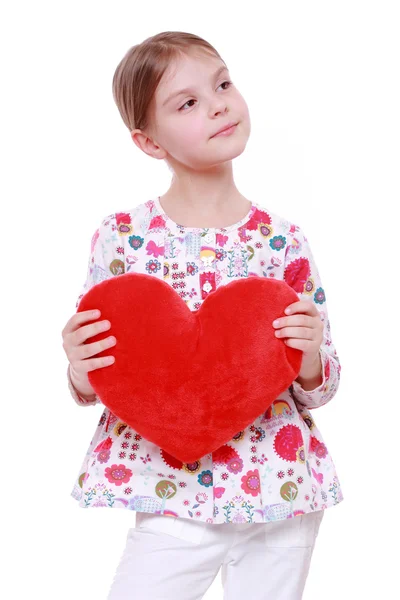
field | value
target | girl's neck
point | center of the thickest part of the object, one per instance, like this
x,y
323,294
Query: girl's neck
x,y
205,212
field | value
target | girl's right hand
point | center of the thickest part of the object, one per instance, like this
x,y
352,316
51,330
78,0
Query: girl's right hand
x,y
74,334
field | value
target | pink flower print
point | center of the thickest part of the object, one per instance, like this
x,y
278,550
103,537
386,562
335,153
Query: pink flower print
x,y
251,483
118,474
297,273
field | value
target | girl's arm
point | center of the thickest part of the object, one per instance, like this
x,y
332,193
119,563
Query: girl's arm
x,y
301,273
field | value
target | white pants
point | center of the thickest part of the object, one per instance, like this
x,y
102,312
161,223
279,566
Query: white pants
x,y
167,558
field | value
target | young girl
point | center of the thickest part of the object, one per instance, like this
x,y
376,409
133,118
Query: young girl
x,y
253,507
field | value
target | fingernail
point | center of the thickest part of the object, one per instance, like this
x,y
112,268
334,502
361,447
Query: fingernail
x,y
287,311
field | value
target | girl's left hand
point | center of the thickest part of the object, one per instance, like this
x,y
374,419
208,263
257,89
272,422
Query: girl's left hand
x,y
303,330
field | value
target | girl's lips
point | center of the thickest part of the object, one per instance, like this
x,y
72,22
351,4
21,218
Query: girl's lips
x,y
228,131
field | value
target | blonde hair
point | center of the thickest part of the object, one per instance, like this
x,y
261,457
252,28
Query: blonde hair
x,y
139,72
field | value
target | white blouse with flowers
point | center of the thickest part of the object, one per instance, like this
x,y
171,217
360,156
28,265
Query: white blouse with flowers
x,y
278,467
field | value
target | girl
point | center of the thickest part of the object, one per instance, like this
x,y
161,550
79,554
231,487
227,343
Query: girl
x,y
253,507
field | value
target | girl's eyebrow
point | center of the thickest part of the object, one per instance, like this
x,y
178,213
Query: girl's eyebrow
x,y
187,90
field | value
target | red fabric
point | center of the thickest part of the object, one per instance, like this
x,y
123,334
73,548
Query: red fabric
x,y
189,381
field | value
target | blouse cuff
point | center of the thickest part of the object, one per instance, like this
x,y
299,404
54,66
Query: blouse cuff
x,y
313,398
76,396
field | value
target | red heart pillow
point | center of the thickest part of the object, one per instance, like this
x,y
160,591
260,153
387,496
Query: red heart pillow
x,y
189,381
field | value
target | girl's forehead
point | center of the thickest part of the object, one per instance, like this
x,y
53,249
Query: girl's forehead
x,y
183,72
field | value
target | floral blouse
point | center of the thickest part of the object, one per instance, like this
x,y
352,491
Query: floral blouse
x,y
278,467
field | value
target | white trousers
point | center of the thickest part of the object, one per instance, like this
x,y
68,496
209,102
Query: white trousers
x,y
168,558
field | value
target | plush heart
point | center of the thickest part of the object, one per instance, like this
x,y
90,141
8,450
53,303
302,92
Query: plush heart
x,y
189,381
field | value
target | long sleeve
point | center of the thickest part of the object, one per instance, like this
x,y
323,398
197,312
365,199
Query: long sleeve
x,y
301,273
103,263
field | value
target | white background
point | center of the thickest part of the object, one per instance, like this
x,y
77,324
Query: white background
x,y
322,83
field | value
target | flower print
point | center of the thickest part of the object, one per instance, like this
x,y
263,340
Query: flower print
x,y
103,456
260,434
258,217
235,465
178,275
262,459
153,266
205,478
288,441
192,467
135,241
278,242
118,474
309,286
251,483
220,254
157,223
122,217
124,229
265,230
191,268
223,454
301,455
319,296
318,447
297,273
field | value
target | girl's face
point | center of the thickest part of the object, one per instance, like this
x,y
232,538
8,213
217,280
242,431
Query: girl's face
x,y
182,124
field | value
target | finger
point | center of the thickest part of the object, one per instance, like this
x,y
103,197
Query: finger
x,y
84,366
87,331
303,306
78,318
304,345
86,351
296,332
295,320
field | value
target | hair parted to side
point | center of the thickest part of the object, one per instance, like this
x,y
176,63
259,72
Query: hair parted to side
x,y
138,74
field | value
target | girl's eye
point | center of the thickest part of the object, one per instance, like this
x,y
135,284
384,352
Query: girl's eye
x,y
228,82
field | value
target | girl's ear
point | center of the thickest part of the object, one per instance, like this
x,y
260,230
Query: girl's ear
x,y
145,143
